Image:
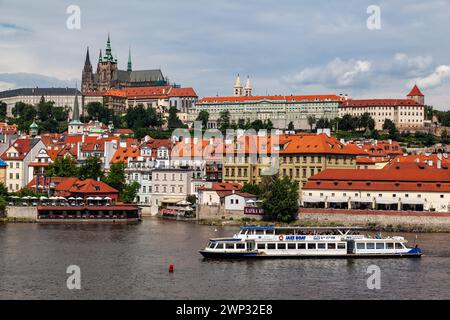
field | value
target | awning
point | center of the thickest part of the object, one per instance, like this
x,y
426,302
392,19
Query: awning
x,y
313,199
363,200
412,201
386,200
337,199
170,200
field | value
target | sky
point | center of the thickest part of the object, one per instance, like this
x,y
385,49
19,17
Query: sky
x,y
285,46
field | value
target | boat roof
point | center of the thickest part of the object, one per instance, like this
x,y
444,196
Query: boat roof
x,y
299,228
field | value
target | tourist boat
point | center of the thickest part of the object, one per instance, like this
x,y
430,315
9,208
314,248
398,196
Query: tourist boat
x,y
307,242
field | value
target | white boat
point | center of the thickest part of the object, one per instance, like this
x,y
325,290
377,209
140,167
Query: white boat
x,y
307,242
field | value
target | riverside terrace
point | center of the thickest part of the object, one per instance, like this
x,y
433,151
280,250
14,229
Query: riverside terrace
x,y
77,209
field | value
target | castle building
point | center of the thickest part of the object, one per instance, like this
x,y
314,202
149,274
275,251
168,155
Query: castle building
x,y
109,76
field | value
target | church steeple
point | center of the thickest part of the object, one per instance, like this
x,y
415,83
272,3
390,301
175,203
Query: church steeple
x,y
76,110
129,68
87,61
238,87
248,88
87,77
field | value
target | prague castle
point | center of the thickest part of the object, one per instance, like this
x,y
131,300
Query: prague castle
x,y
109,76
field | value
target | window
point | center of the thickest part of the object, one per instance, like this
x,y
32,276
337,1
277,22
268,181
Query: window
x,y
291,245
331,246
370,246
321,246
240,245
398,245
389,245
380,246
311,246
341,245
281,246
271,246
220,245
360,246
261,246
301,246
229,246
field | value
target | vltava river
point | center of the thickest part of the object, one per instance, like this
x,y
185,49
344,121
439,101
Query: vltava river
x,y
131,262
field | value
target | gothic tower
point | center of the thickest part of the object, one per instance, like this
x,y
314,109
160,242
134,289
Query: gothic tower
x,y
238,87
107,69
416,95
87,77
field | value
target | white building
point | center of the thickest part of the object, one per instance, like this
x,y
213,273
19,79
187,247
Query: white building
x,y
398,186
237,201
62,97
18,156
404,113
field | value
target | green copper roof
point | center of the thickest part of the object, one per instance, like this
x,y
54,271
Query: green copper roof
x,y
34,125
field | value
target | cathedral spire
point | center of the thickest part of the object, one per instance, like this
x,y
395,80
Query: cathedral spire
x,y
238,87
100,56
248,87
108,49
76,110
87,62
129,69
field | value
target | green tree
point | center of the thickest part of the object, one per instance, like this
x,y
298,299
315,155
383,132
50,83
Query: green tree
x,y
91,169
173,121
445,139
251,188
203,116
223,123
311,121
97,111
3,109
279,198
63,167
291,126
390,127
129,192
116,176
323,123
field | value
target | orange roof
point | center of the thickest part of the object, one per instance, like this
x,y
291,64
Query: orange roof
x,y
319,143
88,186
415,91
182,92
226,186
123,154
383,148
331,97
23,146
421,158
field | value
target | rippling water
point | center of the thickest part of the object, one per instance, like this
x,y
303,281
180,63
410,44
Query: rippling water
x,y
131,262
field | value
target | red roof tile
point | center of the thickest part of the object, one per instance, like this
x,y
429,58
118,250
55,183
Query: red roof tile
x,y
415,91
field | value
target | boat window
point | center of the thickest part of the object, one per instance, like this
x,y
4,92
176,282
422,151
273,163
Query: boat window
x,y
341,245
271,246
301,245
281,246
250,232
398,245
240,245
389,245
261,246
311,246
270,231
370,245
259,231
331,245
291,245
211,245
321,246
380,245
220,245
229,245
361,246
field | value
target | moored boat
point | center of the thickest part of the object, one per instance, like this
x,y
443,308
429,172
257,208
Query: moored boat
x,y
307,242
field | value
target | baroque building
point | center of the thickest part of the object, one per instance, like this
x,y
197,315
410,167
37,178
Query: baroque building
x,y
109,76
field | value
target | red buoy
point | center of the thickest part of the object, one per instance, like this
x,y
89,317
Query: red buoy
x,y
171,268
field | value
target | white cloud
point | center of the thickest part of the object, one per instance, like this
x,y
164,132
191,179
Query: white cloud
x,y
340,73
435,78
6,85
418,62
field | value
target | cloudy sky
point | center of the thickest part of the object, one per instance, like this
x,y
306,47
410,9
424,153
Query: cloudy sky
x,y
286,46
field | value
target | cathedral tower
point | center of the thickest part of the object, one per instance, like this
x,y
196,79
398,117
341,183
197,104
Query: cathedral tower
x,y
87,77
248,88
107,69
238,87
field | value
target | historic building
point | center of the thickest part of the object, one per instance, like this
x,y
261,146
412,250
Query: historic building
x,y
406,113
279,109
62,97
109,76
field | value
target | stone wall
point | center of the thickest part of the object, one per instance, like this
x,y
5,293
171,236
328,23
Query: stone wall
x,y
435,221
21,212
219,213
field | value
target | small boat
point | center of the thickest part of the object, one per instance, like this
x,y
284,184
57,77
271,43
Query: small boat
x,y
307,242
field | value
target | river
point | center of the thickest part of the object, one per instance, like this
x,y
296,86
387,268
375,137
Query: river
x,y
132,261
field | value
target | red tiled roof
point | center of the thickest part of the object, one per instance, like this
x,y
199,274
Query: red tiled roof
x,y
123,154
88,186
23,146
182,92
415,91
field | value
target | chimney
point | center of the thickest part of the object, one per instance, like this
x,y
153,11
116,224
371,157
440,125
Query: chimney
x,y
438,164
